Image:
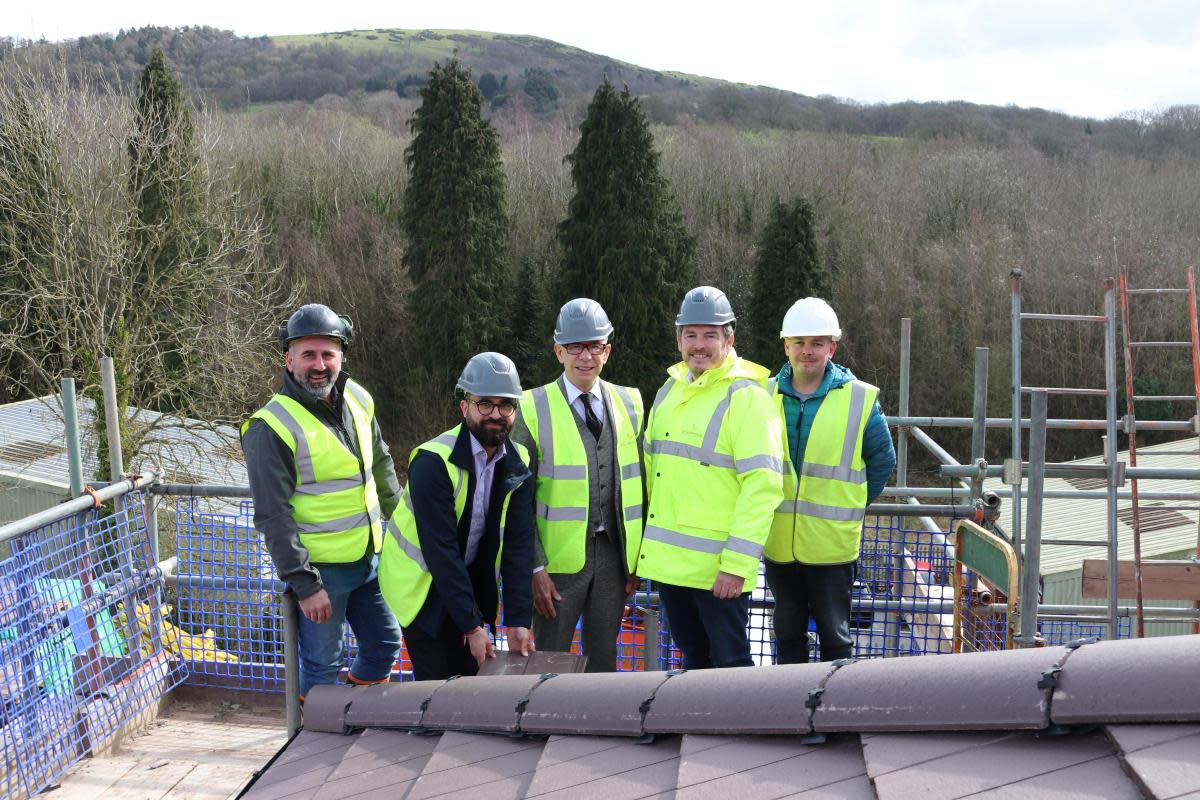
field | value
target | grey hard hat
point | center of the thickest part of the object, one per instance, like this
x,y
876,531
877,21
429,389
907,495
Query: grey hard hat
x,y
581,320
705,305
490,375
315,319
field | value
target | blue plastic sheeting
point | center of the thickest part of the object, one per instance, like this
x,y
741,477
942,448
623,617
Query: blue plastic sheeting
x,y
80,650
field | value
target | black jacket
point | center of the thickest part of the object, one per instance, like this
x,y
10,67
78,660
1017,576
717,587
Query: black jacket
x,y
469,595
271,467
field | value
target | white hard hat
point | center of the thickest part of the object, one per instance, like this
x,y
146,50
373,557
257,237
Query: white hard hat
x,y
811,316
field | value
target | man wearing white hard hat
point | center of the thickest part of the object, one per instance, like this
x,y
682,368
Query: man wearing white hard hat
x,y
839,456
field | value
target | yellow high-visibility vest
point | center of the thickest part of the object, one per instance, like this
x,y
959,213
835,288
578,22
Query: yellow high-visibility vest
x,y
335,504
562,478
404,578
714,475
820,519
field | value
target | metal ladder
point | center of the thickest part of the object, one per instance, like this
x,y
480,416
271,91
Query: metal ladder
x,y
1131,345
1015,469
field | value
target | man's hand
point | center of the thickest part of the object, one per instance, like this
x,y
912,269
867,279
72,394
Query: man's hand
x,y
544,594
317,607
520,640
631,585
481,644
727,586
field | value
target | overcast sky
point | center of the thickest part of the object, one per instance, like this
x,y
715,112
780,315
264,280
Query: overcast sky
x,y
1094,58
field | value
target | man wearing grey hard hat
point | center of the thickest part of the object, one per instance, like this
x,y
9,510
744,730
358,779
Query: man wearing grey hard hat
x,y
466,519
583,435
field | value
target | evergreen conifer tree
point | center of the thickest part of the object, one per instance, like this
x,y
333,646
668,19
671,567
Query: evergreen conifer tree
x,y
532,325
786,268
167,182
623,242
456,226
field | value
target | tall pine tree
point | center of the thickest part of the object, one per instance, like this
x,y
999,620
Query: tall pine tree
x,y
623,242
169,233
456,227
786,268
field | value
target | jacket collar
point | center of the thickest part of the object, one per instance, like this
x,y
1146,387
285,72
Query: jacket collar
x,y
733,368
835,375
513,466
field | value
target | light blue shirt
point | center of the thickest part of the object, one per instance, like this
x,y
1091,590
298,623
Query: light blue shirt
x,y
574,393
485,469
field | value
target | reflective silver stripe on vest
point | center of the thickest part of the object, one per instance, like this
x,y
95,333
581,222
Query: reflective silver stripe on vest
x,y
833,513
446,440
359,394
304,463
633,470
627,401
336,525
707,453
771,385
697,543
561,513
329,487
410,550
663,391
744,546
633,512
845,470
546,466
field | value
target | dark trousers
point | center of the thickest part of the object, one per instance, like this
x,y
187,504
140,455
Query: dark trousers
x,y
709,632
597,593
436,658
819,591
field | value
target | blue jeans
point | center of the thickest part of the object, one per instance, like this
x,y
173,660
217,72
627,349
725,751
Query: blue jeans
x,y
708,632
355,598
820,591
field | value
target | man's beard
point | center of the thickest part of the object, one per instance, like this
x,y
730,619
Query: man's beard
x,y
489,431
319,391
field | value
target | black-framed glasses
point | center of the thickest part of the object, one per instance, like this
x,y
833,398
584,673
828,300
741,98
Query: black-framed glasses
x,y
595,348
506,407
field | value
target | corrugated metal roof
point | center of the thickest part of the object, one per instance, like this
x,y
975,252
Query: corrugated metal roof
x,y
33,445
1164,529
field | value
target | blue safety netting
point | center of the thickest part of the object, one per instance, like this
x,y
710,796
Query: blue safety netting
x,y
81,646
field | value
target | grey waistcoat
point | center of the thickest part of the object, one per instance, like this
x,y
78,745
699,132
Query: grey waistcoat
x,y
603,486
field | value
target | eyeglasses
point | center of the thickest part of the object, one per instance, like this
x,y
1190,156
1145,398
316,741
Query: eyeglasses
x,y
506,407
595,348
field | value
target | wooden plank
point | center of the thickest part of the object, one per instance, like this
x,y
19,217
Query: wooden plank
x,y
148,781
211,782
92,776
1161,580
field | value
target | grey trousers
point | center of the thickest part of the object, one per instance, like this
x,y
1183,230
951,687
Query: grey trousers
x,y
597,592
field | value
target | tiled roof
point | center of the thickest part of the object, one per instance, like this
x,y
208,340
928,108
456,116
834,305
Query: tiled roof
x,y
1105,720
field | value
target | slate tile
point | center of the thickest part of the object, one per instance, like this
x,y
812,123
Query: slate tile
x,y
300,771
510,663
469,766
738,700
390,705
605,768
325,707
479,704
1135,680
1164,759
722,767
889,752
1025,759
972,691
1102,779
381,763
606,704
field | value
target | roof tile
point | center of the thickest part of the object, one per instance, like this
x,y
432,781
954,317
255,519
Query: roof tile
x,y
606,704
480,704
325,708
605,768
737,700
1020,765
721,767
474,765
507,662
1164,759
972,691
301,769
1139,680
380,763
390,705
